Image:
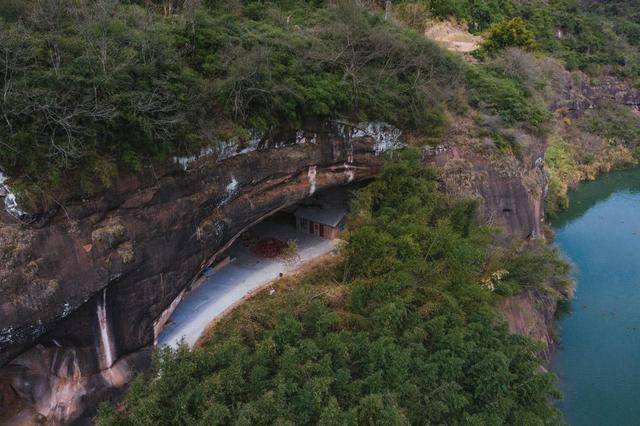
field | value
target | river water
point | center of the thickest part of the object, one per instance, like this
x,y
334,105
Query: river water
x,y
598,362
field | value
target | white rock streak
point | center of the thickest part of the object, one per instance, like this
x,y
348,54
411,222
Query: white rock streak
x,y
302,139
105,337
311,175
350,172
6,335
222,150
232,190
10,203
185,161
385,136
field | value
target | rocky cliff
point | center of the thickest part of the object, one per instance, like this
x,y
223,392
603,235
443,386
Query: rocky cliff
x,y
512,188
85,287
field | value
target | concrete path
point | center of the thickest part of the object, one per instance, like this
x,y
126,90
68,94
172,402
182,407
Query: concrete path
x,y
243,275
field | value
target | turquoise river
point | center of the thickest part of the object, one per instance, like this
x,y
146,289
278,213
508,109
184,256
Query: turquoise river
x,y
598,361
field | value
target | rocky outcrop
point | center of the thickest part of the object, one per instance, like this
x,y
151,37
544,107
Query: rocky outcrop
x,y
532,314
83,286
510,189
575,93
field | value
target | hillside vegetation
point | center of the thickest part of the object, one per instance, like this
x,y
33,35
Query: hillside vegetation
x,y
401,330
603,139
591,35
403,327
93,88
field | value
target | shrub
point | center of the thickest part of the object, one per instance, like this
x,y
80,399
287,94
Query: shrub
x,y
479,14
505,97
122,84
592,36
89,85
413,14
562,173
616,123
509,33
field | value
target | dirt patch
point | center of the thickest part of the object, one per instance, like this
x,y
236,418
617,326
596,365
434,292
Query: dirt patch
x,y
269,248
453,37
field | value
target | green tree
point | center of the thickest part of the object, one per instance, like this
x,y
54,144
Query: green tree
x,y
513,32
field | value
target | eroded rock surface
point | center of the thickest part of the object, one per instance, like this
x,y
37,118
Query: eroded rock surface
x,y
82,288
510,189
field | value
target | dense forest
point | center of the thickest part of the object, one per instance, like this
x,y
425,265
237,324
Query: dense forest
x,y
92,88
401,330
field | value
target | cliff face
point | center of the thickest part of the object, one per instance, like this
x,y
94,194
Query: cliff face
x,y
82,290
510,188
533,314
575,93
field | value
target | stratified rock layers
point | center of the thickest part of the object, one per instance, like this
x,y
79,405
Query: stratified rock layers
x,y
82,288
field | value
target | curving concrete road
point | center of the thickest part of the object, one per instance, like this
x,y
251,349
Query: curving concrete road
x,y
243,275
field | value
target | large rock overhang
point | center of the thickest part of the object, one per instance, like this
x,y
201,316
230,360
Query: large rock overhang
x,y
118,259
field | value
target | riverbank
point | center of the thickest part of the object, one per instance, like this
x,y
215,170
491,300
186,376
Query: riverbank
x,y
578,151
575,155
534,313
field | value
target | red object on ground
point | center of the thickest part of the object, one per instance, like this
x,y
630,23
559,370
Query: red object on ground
x,y
269,248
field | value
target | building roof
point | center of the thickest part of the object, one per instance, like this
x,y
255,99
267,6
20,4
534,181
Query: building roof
x,y
328,216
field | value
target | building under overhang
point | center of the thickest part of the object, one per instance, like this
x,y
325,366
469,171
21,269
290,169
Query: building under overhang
x,y
323,222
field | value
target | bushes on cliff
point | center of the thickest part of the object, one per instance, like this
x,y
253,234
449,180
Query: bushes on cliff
x,y
338,61
479,14
508,33
88,87
603,139
563,172
94,87
615,123
401,330
494,91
